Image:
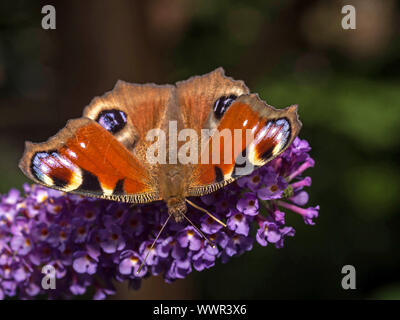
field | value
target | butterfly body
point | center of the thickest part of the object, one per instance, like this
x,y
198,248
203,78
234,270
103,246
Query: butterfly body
x,y
144,143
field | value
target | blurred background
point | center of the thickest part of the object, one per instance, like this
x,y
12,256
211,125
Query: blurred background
x,y
346,83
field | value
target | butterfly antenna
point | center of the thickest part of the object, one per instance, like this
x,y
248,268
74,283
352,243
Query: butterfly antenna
x,y
152,245
199,231
205,211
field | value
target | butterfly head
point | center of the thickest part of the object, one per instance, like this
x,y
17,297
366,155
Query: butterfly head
x,y
177,208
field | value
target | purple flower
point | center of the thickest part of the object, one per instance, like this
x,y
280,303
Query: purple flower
x,y
308,214
170,247
274,185
78,285
91,242
271,232
178,269
87,212
102,293
111,239
84,263
205,258
239,223
248,204
21,244
20,273
134,223
148,252
12,197
237,245
130,263
253,181
285,232
189,238
209,225
268,232
300,198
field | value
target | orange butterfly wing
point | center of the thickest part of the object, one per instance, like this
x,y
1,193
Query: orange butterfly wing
x,y
255,133
103,153
86,159
144,106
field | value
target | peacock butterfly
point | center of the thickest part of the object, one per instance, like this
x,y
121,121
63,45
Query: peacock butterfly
x,y
105,153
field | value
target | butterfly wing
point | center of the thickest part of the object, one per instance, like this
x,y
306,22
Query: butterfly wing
x,y
249,135
103,153
202,99
130,111
86,159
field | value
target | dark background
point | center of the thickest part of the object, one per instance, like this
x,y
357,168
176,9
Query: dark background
x,y
346,83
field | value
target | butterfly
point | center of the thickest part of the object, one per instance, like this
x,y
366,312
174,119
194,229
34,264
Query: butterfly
x,y
105,152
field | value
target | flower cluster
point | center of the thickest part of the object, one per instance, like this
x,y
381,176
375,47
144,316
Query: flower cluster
x,y
89,242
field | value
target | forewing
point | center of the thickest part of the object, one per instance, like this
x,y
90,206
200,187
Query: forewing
x,y
201,98
86,159
130,111
249,135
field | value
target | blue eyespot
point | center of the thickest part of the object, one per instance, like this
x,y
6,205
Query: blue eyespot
x,y
222,104
112,120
